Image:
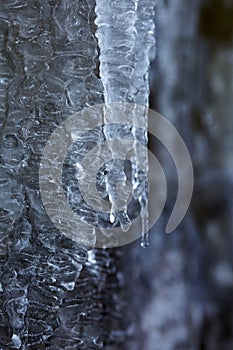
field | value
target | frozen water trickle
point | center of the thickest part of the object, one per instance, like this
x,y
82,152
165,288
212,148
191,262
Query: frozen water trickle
x,y
145,230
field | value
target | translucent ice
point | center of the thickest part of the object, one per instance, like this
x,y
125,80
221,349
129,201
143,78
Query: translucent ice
x,y
125,35
53,295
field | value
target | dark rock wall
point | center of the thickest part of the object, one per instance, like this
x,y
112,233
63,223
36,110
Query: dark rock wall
x,y
182,284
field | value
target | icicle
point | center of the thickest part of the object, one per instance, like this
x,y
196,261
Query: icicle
x,y
125,35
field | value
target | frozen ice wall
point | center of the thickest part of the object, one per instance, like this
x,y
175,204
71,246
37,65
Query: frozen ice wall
x,y
51,294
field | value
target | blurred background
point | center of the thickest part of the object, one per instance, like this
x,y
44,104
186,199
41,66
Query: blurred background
x,y
181,294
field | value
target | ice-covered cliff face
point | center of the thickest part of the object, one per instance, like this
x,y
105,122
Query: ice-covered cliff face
x,y
47,72
53,293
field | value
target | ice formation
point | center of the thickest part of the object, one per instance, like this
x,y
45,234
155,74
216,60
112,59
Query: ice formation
x,y
53,295
125,32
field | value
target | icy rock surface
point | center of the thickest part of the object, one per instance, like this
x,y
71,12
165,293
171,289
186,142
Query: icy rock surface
x,y
51,295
